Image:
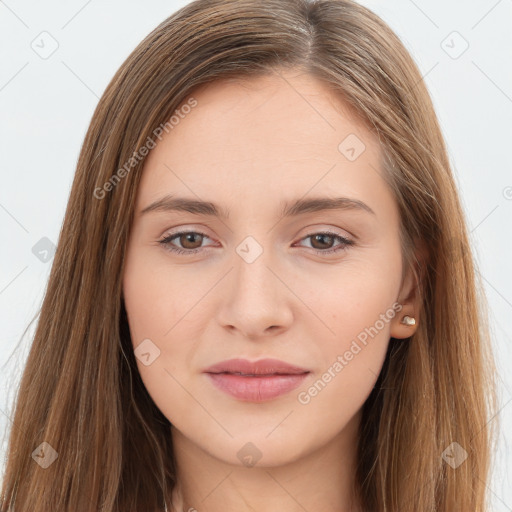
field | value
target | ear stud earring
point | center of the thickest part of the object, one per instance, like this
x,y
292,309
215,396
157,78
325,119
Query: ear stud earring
x,y
409,320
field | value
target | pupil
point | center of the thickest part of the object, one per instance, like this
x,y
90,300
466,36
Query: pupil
x,y
189,237
321,237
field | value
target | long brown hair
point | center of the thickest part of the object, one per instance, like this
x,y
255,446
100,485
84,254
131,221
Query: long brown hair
x,y
81,392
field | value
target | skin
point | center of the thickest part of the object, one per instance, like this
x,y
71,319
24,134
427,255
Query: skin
x,y
248,146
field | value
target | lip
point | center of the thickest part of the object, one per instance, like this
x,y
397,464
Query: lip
x,y
260,367
256,381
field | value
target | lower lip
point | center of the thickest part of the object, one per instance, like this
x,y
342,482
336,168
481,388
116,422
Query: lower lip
x,y
256,389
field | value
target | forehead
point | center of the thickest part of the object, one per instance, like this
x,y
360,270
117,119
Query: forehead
x,y
280,135
288,108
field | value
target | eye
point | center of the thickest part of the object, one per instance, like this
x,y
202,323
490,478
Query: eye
x,y
186,238
324,238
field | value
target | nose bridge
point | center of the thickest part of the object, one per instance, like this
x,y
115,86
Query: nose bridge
x,y
252,273
256,299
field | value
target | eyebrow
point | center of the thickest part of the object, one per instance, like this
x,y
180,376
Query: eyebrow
x,y
170,203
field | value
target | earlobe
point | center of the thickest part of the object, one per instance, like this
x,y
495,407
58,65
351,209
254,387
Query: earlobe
x,y
405,323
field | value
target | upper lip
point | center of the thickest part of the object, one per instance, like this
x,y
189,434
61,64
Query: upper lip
x,y
260,367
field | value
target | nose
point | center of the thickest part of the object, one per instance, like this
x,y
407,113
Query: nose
x,y
256,299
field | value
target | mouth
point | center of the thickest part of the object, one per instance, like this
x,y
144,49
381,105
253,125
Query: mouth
x,y
254,374
257,381
256,388
256,368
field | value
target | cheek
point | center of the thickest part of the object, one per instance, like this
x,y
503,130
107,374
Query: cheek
x,y
161,319
352,359
350,300
156,297
354,310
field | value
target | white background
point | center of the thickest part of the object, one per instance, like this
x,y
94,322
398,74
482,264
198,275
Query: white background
x,y
46,105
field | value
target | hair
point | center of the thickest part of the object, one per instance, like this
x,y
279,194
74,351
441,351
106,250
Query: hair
x,y
80,390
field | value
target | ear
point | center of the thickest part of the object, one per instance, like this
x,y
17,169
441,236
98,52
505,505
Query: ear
x,y
409,298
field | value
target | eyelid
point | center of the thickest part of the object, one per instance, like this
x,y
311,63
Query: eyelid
x,y
311,231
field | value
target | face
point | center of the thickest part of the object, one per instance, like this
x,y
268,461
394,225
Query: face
x,y
316,288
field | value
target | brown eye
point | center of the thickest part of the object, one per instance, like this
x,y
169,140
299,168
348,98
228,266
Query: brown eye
x,y
185,242
324,241
190,240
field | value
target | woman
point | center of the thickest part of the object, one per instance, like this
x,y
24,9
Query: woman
x,y
199,346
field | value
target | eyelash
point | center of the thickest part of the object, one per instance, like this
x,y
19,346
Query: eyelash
x,y
345,242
